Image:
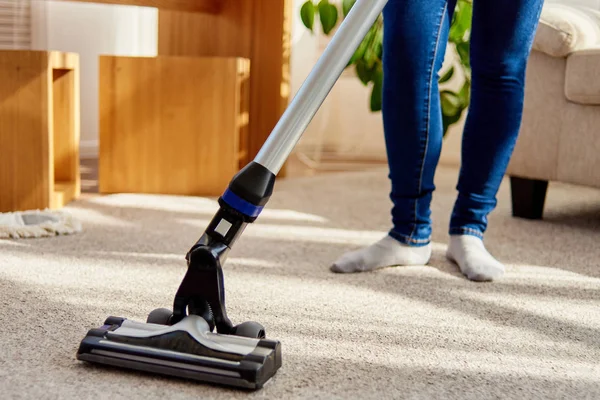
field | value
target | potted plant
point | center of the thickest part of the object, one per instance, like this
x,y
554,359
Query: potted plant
x,y
367,63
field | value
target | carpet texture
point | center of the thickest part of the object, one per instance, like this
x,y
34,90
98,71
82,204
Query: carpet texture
x,y
417,332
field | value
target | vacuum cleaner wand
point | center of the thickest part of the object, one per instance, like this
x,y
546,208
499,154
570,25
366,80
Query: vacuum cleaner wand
x,y
251,188
319,83
181,342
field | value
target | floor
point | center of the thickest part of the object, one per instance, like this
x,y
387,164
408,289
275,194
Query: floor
x,y
419,332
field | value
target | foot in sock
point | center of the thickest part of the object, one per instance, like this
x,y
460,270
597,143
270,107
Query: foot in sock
x,y
386,252
473,259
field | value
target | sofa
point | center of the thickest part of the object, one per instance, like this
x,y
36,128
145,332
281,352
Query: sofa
x,y
559,139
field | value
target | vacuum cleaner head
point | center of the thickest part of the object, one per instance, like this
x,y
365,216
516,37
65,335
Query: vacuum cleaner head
x,y
187,349
196,339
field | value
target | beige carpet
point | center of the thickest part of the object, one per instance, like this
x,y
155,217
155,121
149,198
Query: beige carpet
x,y
419,332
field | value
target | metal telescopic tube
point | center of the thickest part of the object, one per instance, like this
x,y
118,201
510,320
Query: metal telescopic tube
x,y
318,84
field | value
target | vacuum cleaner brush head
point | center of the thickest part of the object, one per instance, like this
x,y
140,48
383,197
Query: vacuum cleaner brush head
x,y
187,349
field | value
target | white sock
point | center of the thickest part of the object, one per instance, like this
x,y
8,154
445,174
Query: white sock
x,y
473,259
386,252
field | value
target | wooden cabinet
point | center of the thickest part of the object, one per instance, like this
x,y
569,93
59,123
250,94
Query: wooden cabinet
x,y
39,129
255,29
258,30
171,125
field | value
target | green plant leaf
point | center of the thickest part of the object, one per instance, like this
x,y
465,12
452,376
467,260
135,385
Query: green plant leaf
x,y
465,93
461,22
307,14
377,92
347,6
451,104
445,126
452,118
328,13
360,51
362,47
463,50
447,121
364,73
371,55
446,77
379,50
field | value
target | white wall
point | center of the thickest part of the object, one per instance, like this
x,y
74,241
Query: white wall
x,y
91,30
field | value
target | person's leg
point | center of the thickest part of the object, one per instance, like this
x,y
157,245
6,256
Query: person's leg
x,y
501,40
415,36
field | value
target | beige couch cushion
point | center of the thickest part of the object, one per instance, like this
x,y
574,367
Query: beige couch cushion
x,y
582,80
565,28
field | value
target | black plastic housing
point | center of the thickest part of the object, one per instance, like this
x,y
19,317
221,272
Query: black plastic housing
x,y
246,372
254,183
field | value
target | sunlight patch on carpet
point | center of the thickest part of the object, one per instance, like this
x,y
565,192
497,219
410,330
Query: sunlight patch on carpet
x,y
242,261
95,217
557,310
193,205
473,361
307,234
523,273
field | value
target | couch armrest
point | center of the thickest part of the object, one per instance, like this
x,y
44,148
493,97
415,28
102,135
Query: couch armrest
x,y
582,81
536,153
564,28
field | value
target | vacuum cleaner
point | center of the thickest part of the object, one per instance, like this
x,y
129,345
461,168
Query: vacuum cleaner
x,y
195,339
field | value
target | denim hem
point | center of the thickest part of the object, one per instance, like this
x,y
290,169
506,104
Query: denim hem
x,y
466,231
408,240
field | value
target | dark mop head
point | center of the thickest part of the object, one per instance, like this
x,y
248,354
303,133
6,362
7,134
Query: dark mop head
x,y
187,349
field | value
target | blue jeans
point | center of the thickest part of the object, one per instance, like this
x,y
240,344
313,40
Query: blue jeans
x,y
415,36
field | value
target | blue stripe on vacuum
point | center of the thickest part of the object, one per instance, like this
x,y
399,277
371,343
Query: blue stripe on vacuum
x,y
240,204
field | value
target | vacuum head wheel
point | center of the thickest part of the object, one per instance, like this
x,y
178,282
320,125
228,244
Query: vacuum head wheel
x,y
251,329
160,316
